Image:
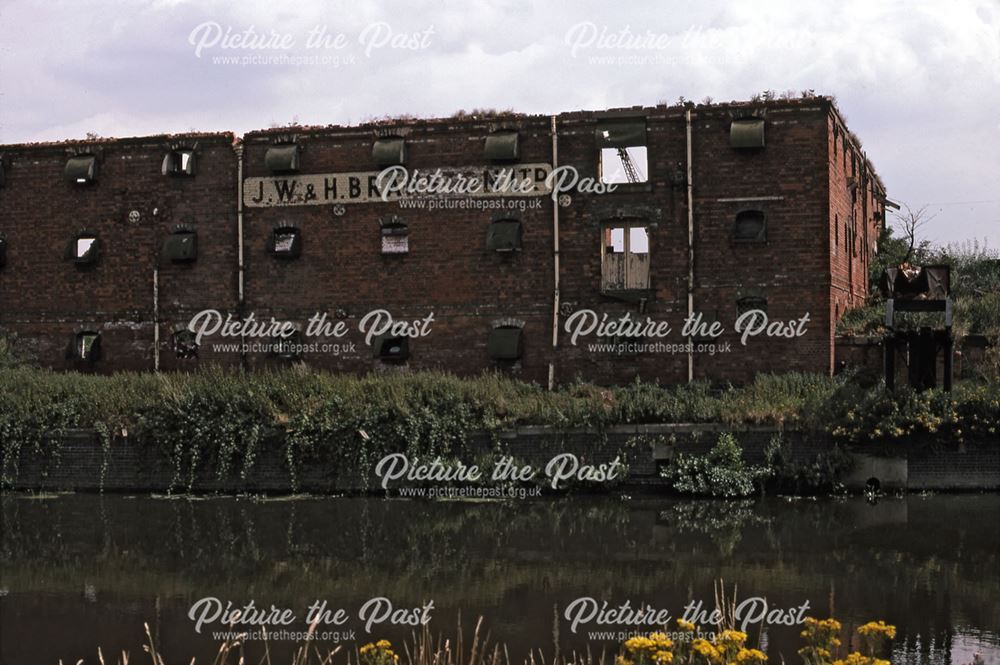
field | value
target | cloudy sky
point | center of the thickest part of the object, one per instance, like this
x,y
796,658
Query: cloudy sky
x,y
918,81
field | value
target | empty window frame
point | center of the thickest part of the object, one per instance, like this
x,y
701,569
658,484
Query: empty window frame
x,y
84,248
390,349
625,256
502,146
285,243
389,151
622,155
747,133
288,347
504,235
505,344
185,344
86,346
282,158
395,236
81,170
750,227
179,162
181,246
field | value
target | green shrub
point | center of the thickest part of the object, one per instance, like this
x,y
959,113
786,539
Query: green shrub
x,y
721,473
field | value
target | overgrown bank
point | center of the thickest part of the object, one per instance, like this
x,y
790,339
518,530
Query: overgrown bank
x,y
220,420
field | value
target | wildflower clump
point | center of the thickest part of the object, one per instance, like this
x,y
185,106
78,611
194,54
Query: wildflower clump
x,y
822,638
822,641
647,650
725,649
378,653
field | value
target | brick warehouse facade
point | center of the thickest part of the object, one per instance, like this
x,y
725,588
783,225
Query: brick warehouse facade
x,y
788,227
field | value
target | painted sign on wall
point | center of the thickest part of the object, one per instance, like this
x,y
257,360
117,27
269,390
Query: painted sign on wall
x,y
395,183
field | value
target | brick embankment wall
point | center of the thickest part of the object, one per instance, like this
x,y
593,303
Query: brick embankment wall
x,y
82,464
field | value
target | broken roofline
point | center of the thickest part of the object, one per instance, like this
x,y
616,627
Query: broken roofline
x,y
473,118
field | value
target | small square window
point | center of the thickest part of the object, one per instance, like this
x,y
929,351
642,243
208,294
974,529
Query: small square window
x,y
81,170
286,243
391,349
290,347
504,235
624,165
282,158
750,226
181,246
389,151
185,344
502,147
505,344
86,346
747,133
625,257
395,238
84,249
179,162
749,304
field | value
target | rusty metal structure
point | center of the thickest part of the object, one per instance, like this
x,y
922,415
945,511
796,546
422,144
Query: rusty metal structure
x,y
919,289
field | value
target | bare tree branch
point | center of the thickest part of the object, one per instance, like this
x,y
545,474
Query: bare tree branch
x,y
911,221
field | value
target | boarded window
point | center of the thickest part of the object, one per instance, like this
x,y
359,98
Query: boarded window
x,y
81,170
84,249
282,158
502,147
625,257
622,151
750,226
181,246
391,349
86,346
286,243
504,235
395,236
185,344
179,162
505,344
389,151
747,133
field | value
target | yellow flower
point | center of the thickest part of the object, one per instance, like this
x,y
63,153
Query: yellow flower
x,y
732,637
751,656
707,650
878,629
857,659
686,625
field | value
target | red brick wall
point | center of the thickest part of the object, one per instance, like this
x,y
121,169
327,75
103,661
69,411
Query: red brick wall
x,y
45,298
797,180
857,214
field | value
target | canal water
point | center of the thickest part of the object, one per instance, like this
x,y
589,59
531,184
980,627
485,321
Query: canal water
x,y
86,571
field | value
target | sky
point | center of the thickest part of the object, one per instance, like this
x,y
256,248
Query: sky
x,y
919,82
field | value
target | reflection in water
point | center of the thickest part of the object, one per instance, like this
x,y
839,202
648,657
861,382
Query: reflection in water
x,y
80,571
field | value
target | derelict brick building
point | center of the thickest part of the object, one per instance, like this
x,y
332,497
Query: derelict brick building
x,y
110,247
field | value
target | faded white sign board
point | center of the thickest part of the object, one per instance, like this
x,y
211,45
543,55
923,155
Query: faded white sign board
x,y
518,180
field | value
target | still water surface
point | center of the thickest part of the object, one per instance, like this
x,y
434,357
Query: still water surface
x,y
82,571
